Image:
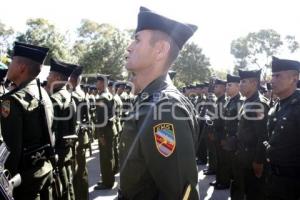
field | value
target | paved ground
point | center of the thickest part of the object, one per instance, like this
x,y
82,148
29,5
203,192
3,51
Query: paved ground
x,y
206,191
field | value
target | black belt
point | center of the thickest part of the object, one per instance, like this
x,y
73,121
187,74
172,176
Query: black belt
x,y
292,172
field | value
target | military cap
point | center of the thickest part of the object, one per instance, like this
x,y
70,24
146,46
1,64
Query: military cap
x,y
128,86
284,64
77,70
102,77
249,74
220,82
269,86
120,84
206,84
232,79
110,83
61,67
172,74
179,32
32,52
199,85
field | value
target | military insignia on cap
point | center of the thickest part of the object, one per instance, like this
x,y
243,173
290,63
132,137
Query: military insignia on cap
x,y
164,135
5,108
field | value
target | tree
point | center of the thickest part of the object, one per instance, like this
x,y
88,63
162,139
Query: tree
x,y
191,65
41,32
101,48
6,34
257,48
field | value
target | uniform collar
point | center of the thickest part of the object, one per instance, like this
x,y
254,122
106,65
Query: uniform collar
x,y
158,84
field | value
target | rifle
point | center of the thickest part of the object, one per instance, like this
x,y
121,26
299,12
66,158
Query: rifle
x,y
7,184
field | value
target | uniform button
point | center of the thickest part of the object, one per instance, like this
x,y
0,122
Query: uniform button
x,y
281,127
284,118
273,132
275,119
268,160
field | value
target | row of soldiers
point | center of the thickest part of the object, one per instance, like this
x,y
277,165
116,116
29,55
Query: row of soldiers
x,y
48,127
248,134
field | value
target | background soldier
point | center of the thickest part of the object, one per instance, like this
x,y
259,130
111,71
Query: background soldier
x,y
218,136
62,124
252,131
231,119
283,149
105,131
82,127
23,127
157,157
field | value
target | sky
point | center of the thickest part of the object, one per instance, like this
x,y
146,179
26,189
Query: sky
x,y
219,21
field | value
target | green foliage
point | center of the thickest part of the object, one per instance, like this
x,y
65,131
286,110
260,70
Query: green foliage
x,y
41,32
191,65
6,34
257,48
101,48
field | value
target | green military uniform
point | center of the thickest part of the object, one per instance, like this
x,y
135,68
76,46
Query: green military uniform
x,y
222,177
81,174
283,148
105,131
23,132
152,169
63,125
62,102
25,126
252,131
118,114
231,110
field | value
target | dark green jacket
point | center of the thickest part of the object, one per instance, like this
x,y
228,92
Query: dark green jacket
x,y
252,129
157,156
283,128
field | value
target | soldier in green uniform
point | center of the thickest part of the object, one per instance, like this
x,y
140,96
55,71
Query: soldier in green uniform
x,y
157,154
105,131
249,158
222,177
82,114
23,124
283,147
202,149
231,119
118,114
63,122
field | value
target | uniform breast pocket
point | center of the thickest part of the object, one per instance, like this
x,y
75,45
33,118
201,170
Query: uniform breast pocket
x,y
285,125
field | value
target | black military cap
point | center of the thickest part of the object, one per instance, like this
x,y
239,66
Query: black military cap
x,y
149,20
249,74
199,85
77,70
172,74
32,52
110,83
102,77
61,67
232,79
120,84
206,84
2,73
284,65
269,86
128,86
220,82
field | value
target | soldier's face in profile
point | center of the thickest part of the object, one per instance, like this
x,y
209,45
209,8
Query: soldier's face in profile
x,y
232,89
246,86
140,52
13,69
283,81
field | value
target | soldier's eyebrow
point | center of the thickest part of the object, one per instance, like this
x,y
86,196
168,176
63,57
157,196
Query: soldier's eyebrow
x,y
136,36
